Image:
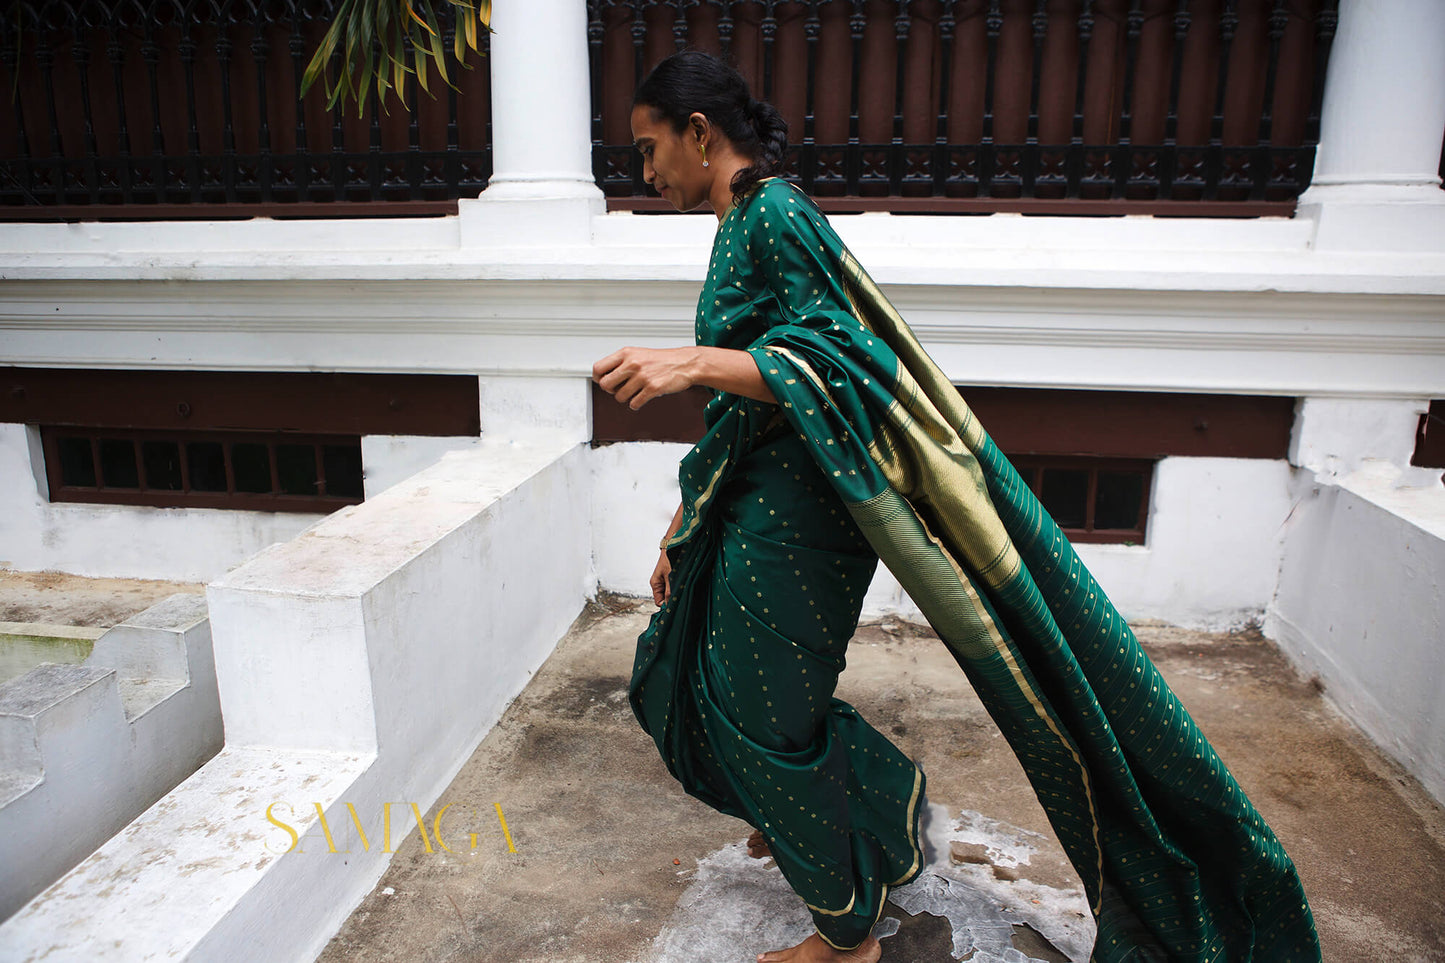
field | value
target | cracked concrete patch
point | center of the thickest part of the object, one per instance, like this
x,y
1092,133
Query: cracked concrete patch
x,y
732,900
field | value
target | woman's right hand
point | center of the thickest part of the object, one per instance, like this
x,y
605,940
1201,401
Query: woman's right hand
x,y
661,580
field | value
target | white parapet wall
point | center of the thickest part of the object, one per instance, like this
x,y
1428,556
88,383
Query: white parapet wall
x,y
1361,606
1216,528
358,665
85,748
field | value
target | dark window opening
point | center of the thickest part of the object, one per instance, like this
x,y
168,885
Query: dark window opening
x,y
1430,438
1092,499
264,471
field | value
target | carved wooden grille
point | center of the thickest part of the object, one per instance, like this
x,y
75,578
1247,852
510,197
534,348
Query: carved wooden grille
x,y
1076,106
174,108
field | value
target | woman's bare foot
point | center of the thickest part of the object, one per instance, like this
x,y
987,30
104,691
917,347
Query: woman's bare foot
x,y
814,950
758,846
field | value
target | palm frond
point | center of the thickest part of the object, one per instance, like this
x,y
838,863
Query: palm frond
x,y
373,36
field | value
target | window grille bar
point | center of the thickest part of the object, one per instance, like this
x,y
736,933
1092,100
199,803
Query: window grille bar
x,y
274,466
413,166
150,52
947,24
769,30
857,23
452,166
183,453
1228,25
139,460
1262,162
80,57
45,58
639,59
1030,170
373,150
1075,163
986,149
808,161
1169,158
901,26
9,56
115,54
228,130
96,461
338,136
300,160
725,27
187,49
260,55
1124,154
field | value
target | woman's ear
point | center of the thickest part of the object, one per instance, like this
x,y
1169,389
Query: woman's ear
x,y
698,122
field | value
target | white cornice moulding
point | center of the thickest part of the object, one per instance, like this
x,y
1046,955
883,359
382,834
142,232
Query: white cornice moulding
x,y
1275,343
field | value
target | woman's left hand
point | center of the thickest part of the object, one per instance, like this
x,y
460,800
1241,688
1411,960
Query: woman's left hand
x,y
634,376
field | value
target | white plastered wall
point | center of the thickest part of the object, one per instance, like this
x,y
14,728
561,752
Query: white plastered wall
x,y
185,544
1361,605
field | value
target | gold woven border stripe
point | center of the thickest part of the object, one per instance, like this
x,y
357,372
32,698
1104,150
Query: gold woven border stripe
x,y
949,600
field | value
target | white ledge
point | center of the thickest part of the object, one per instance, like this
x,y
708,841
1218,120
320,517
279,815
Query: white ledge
x,y
999,250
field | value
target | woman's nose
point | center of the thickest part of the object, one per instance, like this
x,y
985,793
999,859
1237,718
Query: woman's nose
x,y
647,172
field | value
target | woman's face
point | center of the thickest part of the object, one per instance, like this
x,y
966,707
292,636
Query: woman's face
x,y
671,162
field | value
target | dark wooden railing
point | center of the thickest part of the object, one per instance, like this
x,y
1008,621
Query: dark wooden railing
x,y
1046,106
178,108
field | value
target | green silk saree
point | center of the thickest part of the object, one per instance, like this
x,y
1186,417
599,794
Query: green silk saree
x,y
871,450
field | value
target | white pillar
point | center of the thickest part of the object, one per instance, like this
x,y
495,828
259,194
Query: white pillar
x,y
541,190
1376,182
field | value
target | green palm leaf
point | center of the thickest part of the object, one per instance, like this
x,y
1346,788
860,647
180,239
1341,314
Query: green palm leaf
x,y
374,35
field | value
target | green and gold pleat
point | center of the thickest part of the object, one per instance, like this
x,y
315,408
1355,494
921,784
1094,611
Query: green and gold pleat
x,y
1175,861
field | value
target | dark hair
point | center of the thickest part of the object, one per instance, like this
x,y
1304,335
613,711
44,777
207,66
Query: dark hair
x,y
694,82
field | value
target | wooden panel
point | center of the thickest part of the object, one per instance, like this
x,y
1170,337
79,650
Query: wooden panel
x,y
996,205
317,403
669,418
1430,438
1033,421
1133,424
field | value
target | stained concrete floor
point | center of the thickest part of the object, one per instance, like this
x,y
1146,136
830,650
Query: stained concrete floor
x,y
614,864
55,598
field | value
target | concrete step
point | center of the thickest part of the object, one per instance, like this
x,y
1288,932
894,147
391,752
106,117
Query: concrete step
x,y
152,645
57,715
85,748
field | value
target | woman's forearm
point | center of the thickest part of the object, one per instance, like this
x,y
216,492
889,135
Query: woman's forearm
x,y
673,527
634,376
730,370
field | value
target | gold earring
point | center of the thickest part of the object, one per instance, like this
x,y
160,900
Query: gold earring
x,y
703,149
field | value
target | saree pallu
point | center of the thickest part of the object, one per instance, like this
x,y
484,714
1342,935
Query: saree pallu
x,y
1175,861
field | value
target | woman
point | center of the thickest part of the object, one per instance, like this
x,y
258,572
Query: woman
x,y
832,440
